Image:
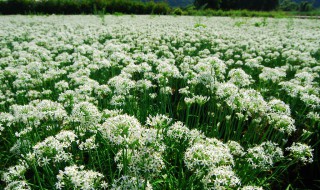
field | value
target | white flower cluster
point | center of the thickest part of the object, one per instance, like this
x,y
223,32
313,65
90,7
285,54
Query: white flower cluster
x,y
130,182
158,121
236,149
212,159
302,86
206,154
38,111
249,101
18,185
251,188
222,177
76,177
301,152
274,75
180,133
282,122
314,116
89,144
239,77
87,115
264,156
144,160
122,130
53,148
14,174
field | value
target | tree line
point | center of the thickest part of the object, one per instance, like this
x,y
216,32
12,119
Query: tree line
x,y
258,5
238,4
83,7
144,6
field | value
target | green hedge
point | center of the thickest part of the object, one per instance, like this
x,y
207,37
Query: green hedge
x,y
82,6
127,7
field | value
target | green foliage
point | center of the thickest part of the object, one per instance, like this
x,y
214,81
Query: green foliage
x,y
233,8
288,5
199,22
240,23
82,6
262,23
118,14
305,6
290,23
238,4
197,25
237,13
214,4
177,11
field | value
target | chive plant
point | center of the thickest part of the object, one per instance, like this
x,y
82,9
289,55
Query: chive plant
x,y
157,103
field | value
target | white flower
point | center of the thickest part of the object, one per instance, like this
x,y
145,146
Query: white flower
x,y
178,132
239,77
251,188
221,177
272,74
314,116
122,130
281,122
158,121
121,84
235,148
143,161
208,153
201,100
278,106
61,86
86,114
89,144
75,177
311,100
54,148
18,185
129,182
264,156
301,152
16,172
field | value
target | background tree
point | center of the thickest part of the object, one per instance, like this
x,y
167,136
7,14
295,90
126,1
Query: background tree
x,y
238,4
230,4
305,6
213,4
288,5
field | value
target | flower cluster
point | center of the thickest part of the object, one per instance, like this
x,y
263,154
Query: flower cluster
x,y
301,152
78,178
264,156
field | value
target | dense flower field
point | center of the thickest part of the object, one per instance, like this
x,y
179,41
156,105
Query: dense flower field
x,y
157,102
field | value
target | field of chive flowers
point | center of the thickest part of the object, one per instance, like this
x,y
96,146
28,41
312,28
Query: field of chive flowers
x,y
158,102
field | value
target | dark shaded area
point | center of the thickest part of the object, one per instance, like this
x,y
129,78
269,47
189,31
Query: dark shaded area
x,y
247,8
174,3
83,7
316,3
261,5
